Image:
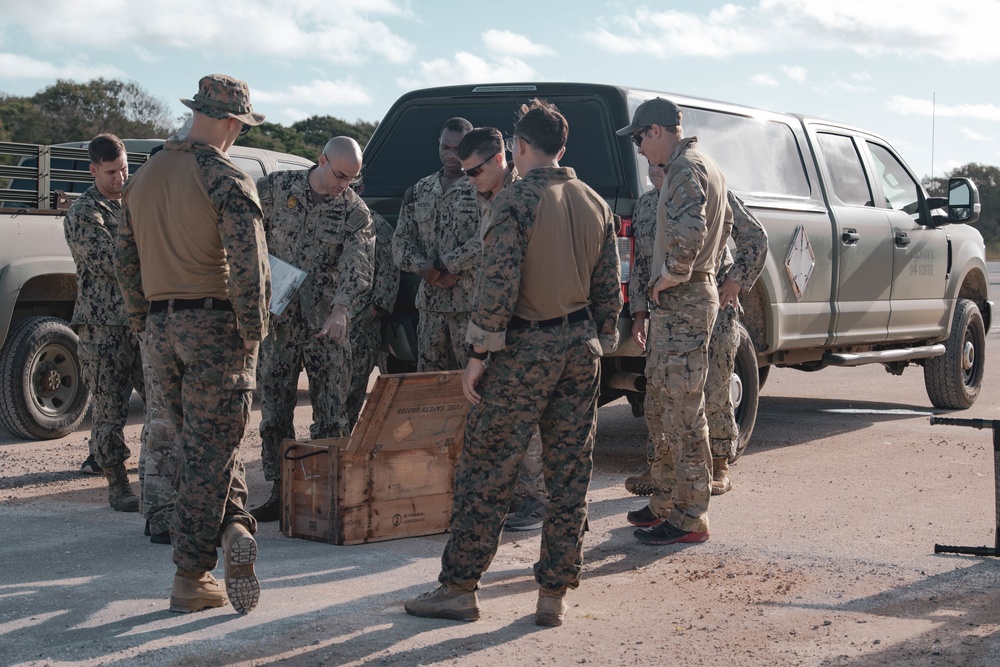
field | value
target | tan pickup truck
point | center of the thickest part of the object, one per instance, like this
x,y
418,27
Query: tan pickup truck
x,y
41,393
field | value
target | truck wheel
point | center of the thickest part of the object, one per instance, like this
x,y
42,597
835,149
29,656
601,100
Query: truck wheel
x,y
953,380
745,390
762,374
42,393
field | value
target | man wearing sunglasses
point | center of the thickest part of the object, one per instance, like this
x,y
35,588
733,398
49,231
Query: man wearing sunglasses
x,y
437,237
691,230
315,221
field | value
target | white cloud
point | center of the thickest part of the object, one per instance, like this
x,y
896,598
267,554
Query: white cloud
x,y
950,31
466,67
973,135
14,66
926,107
763,80
505,42
317,93
795,72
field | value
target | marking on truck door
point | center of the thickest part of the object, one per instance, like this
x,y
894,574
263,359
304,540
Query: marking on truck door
x,y
800,261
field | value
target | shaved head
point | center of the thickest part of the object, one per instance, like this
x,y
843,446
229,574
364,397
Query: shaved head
x,y
343,147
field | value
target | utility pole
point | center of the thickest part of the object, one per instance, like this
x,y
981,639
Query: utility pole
x,y
933,110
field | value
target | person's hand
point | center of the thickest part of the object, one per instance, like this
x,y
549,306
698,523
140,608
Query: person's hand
x,y
428,272
447,280
729,293
662,283
639,328
470,379
249,345
335,327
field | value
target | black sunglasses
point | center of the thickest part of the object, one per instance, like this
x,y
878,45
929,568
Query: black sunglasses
x,y
638,136
245,129
472,172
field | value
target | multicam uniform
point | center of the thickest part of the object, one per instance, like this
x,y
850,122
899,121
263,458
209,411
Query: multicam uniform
x,y
540,263
434,223
109,351
192,243
691,231
366,320
332,240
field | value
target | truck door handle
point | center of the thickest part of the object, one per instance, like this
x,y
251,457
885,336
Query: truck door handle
x,y
902,240
850,237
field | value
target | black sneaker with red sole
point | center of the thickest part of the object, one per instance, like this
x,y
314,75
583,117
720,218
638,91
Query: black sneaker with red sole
x,y
664,533
643,518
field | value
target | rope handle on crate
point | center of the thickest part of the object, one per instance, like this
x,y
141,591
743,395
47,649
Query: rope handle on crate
x,y
303,456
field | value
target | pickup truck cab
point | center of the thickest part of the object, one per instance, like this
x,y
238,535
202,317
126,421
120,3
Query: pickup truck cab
x,y
42,395
863,266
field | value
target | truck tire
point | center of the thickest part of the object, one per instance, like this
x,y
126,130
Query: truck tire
x,y
953,380
745,391
762,374
42,393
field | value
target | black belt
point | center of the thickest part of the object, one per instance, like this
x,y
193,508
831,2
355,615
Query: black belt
x,y
208,303
574,317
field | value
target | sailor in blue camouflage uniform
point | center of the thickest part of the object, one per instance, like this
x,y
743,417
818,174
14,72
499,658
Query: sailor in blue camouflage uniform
x,y
437,237
192,263
109,352
316,222
693,223
546,306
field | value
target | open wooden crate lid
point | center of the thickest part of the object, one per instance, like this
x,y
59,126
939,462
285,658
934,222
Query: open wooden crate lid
x,y
411,411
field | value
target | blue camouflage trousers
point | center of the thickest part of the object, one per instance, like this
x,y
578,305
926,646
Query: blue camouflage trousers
x,y
546,377
206,378
676,370
441,342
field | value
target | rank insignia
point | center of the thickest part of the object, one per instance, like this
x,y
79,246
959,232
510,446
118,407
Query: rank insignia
x,y
292,201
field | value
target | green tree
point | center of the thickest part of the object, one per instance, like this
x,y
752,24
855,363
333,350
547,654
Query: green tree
x,y
987,180
316,130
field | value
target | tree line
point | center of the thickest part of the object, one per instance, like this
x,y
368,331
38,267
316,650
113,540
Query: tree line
x,y
69,111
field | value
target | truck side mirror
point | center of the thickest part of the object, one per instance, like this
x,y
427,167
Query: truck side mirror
x,y
963,201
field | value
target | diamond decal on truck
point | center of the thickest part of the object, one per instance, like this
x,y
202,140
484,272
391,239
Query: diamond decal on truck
x,y
800,261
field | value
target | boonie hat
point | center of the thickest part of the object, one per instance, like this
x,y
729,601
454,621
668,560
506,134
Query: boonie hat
x,y
221,96
656,111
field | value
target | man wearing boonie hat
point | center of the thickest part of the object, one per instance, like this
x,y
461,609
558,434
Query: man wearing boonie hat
x,y
192,263
691,230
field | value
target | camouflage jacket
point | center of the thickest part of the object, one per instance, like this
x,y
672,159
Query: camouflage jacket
x,y
233,196
750,240
385,281
643,232
445,225
91,228
510,226
333,241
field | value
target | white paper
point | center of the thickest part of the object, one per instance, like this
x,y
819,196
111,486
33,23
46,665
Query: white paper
x,y
285,280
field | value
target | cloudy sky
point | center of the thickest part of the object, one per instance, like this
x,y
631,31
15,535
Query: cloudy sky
x,y
889,66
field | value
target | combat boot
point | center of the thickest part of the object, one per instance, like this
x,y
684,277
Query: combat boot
x,y
445,602
642,485
194,591
720,476
239,549
270,510
120,494
552,608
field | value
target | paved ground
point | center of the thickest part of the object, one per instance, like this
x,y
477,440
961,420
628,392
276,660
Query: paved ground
x,y
822,555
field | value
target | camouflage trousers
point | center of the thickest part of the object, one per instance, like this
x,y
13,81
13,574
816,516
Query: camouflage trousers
x,y
158,457
723,431
366,338
549,378
441,341
206,378
288,347
676,369
531,474
111,365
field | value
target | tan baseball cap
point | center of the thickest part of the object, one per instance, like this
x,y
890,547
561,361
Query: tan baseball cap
x,y
657,111
221,96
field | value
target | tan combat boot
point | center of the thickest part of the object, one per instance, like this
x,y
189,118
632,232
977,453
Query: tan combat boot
x,y
120,494
642,485
239,549
720,476
551,608
194,591
445,602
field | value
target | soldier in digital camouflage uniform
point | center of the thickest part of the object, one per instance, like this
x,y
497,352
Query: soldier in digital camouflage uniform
x,y
691,230
484,162
316,222
367,318
751,250
437,237
109,352
192,263
547,303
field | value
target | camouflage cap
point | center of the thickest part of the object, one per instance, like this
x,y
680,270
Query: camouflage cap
x,y
221,96
657,111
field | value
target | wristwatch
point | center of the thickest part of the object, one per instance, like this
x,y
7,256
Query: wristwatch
x,y
477,355
439,265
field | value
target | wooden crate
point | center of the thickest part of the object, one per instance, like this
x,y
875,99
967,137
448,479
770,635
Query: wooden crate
x,y
394,477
